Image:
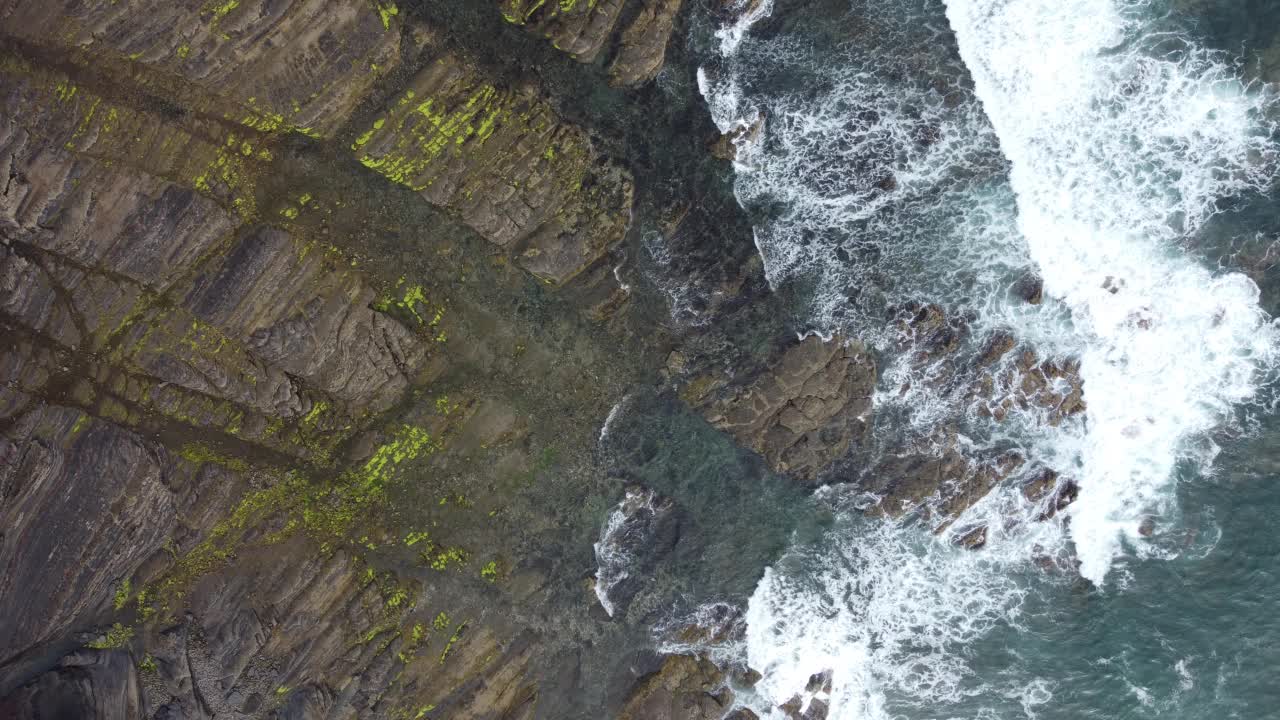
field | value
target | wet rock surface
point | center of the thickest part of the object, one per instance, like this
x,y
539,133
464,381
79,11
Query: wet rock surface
x,y
937,477
686,688
802,412
640,532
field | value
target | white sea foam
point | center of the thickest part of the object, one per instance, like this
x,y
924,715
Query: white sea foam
x,y
1119,148
749,12
888,611
1104,152
611,417
614,559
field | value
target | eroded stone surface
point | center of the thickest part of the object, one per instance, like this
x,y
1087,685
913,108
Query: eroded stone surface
x,y
643,45
88,684
804,411
686,688
585,28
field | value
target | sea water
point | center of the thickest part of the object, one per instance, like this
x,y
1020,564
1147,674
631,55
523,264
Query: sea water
x,y
1124,152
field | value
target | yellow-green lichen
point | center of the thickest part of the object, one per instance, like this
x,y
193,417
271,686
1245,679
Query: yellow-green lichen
x,y
115,638
221,9
457,635
409,442
123,592
199,453
386,11
81,423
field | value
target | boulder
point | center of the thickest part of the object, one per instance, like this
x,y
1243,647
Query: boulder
x,y
686,688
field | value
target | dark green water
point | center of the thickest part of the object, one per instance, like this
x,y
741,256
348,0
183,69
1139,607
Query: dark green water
x,y
1185,625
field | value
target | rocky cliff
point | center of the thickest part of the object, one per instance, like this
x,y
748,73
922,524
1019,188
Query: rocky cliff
x,y
312,313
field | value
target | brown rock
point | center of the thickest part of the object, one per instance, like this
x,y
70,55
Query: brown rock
x,y
583,29
684,689
276,64
505,163
804,411
644,43
997,346
578,27
939,481
973,539
726,146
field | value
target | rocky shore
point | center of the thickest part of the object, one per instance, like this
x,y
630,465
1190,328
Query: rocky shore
x,y
313,311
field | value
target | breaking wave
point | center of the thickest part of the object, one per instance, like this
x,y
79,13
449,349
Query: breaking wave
x,y
935,154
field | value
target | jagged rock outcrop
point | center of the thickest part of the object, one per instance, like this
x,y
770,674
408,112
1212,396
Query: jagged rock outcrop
x,y
934,475
686,688
938,480
803,411
86,684
583,29
643,45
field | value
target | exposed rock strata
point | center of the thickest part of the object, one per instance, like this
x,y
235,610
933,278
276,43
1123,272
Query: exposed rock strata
x,y
643,45
300,64
86,684
584,28
246,448
503,161
686,688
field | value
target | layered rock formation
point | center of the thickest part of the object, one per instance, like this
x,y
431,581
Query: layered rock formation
x,y
505,163
215,392
585,28
685,688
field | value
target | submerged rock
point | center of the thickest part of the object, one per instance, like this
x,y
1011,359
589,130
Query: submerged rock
x,y
974,539
726,146
1030,288
1050,493
640,531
